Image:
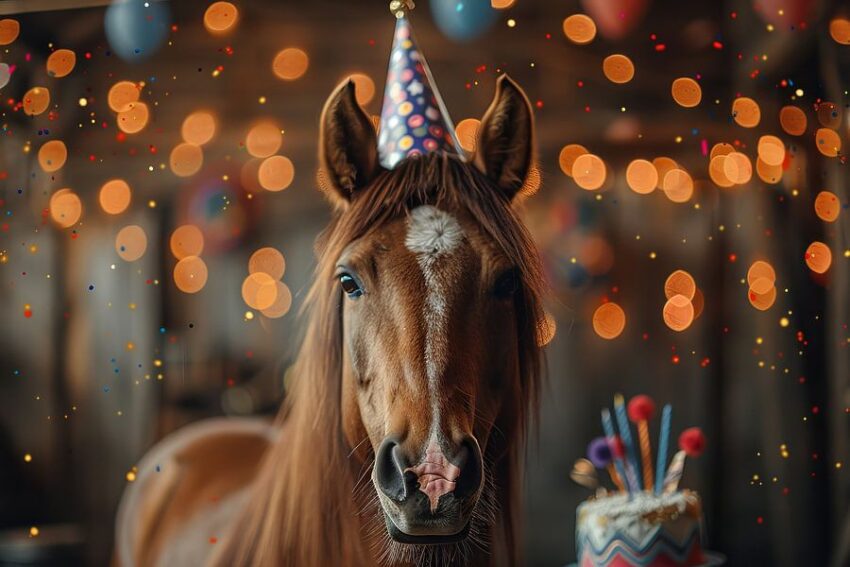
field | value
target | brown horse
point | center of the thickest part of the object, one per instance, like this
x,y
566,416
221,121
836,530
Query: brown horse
x,y
419,371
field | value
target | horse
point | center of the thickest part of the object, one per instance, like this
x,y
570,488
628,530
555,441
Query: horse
x,y
402,438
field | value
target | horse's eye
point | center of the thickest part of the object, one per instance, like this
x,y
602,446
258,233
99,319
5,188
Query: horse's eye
x,y
350,286
506,285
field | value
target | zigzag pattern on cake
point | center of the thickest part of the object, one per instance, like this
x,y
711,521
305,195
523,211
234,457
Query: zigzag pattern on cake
x,y
660,544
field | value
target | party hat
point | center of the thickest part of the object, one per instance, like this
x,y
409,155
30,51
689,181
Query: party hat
x,y
414,119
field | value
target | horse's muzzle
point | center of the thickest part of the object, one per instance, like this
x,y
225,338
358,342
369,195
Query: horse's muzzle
x,y
430,501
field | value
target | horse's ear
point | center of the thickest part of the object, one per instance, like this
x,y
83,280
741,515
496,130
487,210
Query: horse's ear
x,y
348,147
505,148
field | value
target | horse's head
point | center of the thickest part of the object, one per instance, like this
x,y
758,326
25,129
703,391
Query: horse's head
x,y
438,282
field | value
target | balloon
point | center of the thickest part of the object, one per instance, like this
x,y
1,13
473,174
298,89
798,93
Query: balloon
x,y
616,18
463,20
136,28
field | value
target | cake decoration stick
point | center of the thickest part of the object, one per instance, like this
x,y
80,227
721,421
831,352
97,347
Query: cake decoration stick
x,y
584,474
691,444
626,436
663,441
610,437
674,473
641,410
599,453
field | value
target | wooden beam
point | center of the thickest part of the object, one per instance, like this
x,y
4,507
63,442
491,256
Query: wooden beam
x,y
13,7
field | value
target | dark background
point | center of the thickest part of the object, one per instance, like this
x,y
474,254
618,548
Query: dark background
x,y
86,408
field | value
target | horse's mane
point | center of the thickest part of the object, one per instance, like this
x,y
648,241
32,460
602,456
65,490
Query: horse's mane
x,y
302,510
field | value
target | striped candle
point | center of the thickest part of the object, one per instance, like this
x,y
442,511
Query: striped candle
x,y
608,428
663,442
626,436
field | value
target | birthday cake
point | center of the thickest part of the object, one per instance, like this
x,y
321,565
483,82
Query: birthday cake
x,y
647,521
644,529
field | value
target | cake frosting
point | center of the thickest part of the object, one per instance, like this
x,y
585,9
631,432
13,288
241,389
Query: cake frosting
x,y
641,529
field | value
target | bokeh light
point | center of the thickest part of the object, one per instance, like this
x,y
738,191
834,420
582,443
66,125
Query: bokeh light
x,y
568,156
198,128
618,68
761,269
738,168
276,173
720,149
186,240
65,208
259,290
663,165
547,327
114,196
818,257
133,118
290,63
793,120
609,320
220,17
641,176
771,150
768,173
686,92
829,115
467,133
267,260
828,142
131,242
678,185
263,139
36,100
9,30
122,94
589,172
827,206
190,274
678,313
762,294
839,30
282,302
249,175
746,112
680,282
52,155
186,159
579,29
717,171
61,62
501,4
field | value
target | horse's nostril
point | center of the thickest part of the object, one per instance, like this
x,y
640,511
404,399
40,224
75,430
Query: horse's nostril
x,y
469,461
389,471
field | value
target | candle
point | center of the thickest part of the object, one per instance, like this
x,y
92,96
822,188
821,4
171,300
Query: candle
x,y
674,474
626,436
608,427
691,444
641,409
663,441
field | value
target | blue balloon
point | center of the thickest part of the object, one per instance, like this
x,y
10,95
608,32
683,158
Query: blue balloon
x,y
463,19
136,28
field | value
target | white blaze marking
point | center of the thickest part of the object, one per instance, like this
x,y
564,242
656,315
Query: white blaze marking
x,y
433,235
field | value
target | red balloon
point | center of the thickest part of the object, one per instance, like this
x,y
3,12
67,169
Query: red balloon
x,y
616,18
692,442
641,408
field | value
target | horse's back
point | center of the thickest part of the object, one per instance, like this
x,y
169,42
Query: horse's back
x,y
187,489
